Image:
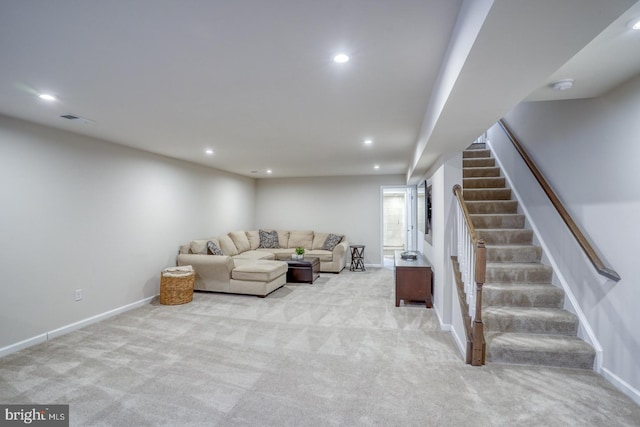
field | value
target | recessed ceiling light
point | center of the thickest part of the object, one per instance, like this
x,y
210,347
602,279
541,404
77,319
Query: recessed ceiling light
x,y
635,24
47,97
209,152
376,167
368,142
269,171
341,58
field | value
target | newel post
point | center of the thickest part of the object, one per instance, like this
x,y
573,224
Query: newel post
x,y
478,351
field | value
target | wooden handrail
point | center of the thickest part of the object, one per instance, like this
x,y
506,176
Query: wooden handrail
x,y
575,230
457,190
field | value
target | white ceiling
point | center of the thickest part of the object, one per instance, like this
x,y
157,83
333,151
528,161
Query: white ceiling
x,y
611,58
253,79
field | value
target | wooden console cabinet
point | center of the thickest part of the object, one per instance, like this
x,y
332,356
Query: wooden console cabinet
x,y
413,280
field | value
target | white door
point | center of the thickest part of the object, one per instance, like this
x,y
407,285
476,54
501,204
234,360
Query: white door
x,y
398,220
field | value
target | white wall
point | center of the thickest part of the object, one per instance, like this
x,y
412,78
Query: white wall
x,y
349,205
589,151
80,213
442,178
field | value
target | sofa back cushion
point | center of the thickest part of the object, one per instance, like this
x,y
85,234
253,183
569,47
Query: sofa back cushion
x,y
227,246
301,238
240,240
319,239
200,246
254,239
283,238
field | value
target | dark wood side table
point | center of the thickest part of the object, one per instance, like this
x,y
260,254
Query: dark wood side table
x,y
357,258
414,280
305,270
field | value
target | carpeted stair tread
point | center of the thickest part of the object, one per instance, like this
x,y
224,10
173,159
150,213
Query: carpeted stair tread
x,y
518,272
522,295
477,146
479,162
480,172
505,236
487,194
484,182
491,221
514,253
492,207
533,320
539,349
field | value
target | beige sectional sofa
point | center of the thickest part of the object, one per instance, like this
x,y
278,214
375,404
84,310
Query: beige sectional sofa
x,y
245,266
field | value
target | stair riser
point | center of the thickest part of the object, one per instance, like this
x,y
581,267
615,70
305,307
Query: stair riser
x,y
480,172
487,194
492,182
530,326
563,360
507,254
521,298
506,236
535,274
478,163
498,221
472,154
501,206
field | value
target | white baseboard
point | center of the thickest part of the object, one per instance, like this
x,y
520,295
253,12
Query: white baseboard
x,y
621,385
38,339
448,327
462,346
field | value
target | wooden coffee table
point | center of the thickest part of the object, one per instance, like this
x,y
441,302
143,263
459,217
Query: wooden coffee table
x,y
305,270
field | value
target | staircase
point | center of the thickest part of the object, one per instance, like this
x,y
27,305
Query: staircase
x,y
522,311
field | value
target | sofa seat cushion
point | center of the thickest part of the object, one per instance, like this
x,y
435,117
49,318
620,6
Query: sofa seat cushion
x,y
258,270
325,256
255,255
279,253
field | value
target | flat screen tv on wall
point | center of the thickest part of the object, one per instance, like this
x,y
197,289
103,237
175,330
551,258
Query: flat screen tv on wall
x,y
424,208
421,203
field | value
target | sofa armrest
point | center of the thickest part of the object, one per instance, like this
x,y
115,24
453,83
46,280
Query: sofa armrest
x,y
340,250
208,266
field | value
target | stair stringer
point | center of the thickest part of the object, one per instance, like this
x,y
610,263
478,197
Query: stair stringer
x,y
585,332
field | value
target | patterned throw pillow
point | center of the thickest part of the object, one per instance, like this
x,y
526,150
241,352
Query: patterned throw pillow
x,y
269,239
331,242
213,248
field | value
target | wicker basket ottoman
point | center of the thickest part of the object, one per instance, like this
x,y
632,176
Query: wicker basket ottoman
x,y
176,287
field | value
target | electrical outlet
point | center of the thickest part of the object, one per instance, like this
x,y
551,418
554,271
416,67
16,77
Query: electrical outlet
x,y
78,294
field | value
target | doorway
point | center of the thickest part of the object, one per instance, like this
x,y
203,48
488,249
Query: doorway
x,y
398,221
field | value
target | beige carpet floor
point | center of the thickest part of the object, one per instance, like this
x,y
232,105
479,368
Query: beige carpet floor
x,y
335,353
